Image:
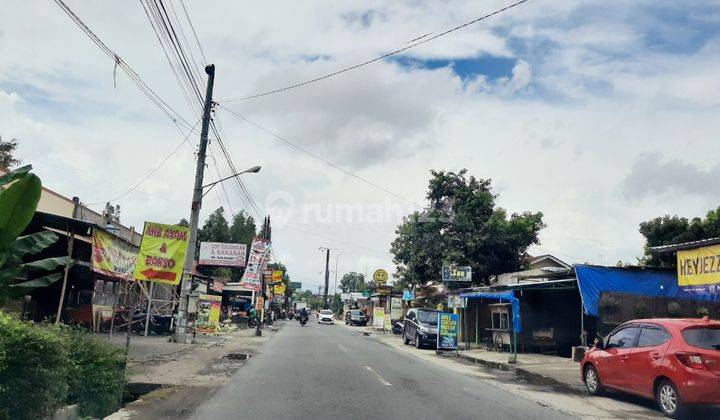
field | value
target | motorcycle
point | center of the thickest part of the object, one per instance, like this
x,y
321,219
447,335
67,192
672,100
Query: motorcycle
x,y
303,320
397,326
252,322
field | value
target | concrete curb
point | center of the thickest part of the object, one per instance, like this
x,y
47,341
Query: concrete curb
x,y
530,377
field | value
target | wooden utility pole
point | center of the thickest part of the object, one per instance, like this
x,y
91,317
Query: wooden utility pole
x,y
181,325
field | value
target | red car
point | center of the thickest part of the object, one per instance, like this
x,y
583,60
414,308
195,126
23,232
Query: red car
x,y
674,361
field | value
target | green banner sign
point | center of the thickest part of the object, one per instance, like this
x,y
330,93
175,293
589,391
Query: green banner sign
x,y
296,285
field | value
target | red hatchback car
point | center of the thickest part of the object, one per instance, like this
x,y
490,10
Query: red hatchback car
x,y
674,361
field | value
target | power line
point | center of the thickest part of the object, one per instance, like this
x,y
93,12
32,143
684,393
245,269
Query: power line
x,y
152,171
414,43
202,53
325,161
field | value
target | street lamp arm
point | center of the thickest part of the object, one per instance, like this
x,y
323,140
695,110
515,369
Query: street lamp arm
x,y
254,170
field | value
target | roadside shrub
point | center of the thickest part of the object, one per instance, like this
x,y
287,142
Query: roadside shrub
x,y
96,373
33,370
43,367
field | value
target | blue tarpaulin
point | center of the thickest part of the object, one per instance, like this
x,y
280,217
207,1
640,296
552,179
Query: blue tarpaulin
x,y
594,280
508,296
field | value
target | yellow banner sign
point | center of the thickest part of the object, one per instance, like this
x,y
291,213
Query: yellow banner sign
x,y
279,289
162,253
277,275
112,256
699,266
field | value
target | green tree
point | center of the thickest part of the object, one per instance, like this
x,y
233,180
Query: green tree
x,y
242,231
215,229
353,282
669,230
18,203
462,226
184,222
7,159
112,213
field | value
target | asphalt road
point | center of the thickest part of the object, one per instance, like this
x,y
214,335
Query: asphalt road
x,y
329,371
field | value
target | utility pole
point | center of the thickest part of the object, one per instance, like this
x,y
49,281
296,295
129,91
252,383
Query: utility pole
x,y
264,234
181,325
327,277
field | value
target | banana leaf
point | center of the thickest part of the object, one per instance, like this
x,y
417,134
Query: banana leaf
x,y
17,207
15,174
49,263
33,243
43,281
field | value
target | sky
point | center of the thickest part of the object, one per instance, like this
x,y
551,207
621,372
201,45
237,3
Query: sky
x,y
600,114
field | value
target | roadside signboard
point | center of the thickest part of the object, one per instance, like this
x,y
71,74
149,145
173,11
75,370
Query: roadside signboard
x,y
407,295
208,313
112,256
383,290
396,308
162,253
447,335
699,269
344,296
453,273
222,254
277,275
257,261
279,289
296,285
380,276
378,318
455,301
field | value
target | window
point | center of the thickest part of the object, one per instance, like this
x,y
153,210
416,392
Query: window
x,y
652,336
428,317
500,321
705,338
624,338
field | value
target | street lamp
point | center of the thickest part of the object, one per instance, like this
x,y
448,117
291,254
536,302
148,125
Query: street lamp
x,y
253,170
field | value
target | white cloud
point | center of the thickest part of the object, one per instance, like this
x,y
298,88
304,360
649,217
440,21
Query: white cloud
x,y
561,133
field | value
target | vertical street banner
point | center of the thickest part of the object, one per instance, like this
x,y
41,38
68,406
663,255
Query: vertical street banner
x,y
277,275
162,253
279,289
396,308
208,314
112,256
378,318
256,265
447,335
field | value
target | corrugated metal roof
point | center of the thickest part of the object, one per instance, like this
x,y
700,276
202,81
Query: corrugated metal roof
x,y
685,245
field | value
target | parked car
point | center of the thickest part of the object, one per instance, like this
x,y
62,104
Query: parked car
x,y
355,317
420,326
325,316
674,361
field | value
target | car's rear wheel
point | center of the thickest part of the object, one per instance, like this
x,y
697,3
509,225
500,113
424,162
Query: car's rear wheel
x,y
669,401
592,381
418,343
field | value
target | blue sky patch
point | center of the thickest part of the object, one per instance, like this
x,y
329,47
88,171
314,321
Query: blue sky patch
x,y
466,68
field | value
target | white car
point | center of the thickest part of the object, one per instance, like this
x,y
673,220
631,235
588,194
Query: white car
x,y
326,317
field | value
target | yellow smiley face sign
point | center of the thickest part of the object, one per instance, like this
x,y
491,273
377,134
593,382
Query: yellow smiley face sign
x,y
380,276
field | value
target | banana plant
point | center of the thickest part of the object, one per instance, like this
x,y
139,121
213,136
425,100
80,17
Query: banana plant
x,y
19,198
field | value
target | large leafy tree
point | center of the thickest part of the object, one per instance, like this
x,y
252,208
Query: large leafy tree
x,y
353,282
668,230
463,226
18,203
7,148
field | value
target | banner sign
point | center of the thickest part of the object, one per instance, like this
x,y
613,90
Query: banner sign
x,y
208,313
451,273
396,308
257,262
447,334
378,317
296,285
162,253
699,269
455,301
112,256
279,289
222,254
383,290
277,276
407,295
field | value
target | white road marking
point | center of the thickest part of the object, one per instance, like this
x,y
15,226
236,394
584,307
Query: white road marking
x,y
380,378
341,346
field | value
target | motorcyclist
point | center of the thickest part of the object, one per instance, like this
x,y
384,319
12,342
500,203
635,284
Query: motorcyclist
x,y
304,314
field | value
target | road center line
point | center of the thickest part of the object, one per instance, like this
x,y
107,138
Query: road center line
x,y
341,346
380,378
